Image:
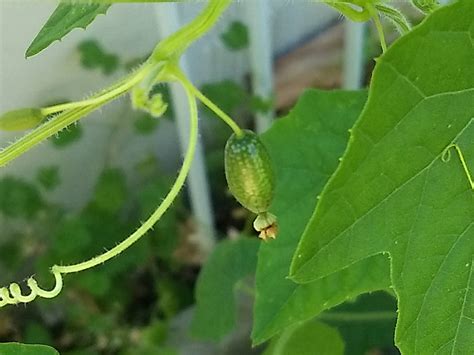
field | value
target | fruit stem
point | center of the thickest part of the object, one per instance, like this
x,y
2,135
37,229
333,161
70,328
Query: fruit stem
x,y
102,97
174,70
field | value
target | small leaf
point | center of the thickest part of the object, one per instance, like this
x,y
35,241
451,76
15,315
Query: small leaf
x,y
19,198
67,136
230,262
63,20
48,177
111,191
236,37
163,89
26,349
305,147
94,57
309,338
153,104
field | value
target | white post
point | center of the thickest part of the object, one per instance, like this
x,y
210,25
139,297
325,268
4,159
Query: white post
x,y
353,54
168,22
261,55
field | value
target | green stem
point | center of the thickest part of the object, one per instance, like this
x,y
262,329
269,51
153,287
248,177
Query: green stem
x,y
221,114
68,117
173,46
426,6
395,16
378,26
100,98
148,224
174,70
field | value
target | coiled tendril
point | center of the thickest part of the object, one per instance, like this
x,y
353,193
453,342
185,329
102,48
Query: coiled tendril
x,y
447,157
14,295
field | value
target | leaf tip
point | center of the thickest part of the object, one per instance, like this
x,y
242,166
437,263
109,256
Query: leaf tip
x,y
29,53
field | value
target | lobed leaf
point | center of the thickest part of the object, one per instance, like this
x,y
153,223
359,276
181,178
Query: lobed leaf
x,y
394,193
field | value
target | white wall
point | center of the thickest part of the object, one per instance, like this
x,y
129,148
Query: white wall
x,y
128,30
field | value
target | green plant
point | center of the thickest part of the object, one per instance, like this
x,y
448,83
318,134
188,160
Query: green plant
x,y
393,211
159,67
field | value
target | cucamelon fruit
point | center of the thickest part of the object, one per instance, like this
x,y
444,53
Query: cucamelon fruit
x,y
251,180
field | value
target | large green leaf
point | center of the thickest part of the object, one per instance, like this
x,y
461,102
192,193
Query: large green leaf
x,y
307,339
26,349
230,262
305,147
63,20
394,193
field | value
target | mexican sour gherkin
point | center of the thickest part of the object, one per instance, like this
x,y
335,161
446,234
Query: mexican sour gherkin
x,y
250,178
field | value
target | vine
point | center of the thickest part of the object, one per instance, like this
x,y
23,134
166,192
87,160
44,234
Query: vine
x,y
15,295
160,67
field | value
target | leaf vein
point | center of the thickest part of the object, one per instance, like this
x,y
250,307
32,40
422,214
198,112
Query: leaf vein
x,y
470,277
405,77
410,235
395,190
445,258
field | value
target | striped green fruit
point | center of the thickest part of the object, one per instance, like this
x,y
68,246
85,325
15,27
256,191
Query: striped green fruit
x,y
250,177
249,171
